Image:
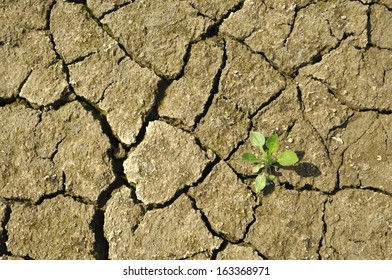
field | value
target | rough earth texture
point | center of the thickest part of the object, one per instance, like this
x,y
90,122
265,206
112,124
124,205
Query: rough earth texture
x,y
123,124
46,231
238,252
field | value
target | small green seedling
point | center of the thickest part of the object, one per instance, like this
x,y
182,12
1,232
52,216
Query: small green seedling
x,y
265,163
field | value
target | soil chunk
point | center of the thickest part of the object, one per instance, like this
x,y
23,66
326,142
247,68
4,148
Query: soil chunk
x,y
59,228
290,223
226,202
359,226
174,232
167,160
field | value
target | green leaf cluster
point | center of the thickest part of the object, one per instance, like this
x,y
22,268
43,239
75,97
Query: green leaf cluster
x,y
265,163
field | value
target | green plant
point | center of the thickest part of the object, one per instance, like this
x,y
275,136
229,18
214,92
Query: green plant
x,y
266,163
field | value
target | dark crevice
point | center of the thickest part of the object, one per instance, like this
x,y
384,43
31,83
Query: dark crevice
x,y
9,200
318,135
358,188
319,55
313,60
288,186
110,33
340,126
152,115
213,29
66,192
69,93
176,123
338,186
24,81
20,101
239,144
101,245
381,48
56,149
354,108
369,28
47,19
260,254
296,11
248,226
134,197
185,61
115,8
51,38
260,53
64,178
306,187
216,251
239,175
194,254
207,150
4,235
97,115
120,180
233,10
379,111
77,198
84,2
7,101
370,188
120,60
65,97
215,87
49,196
324,230
205,219
185,189
270,100
386,136
309,123
273,65
82,58
199,13
117,153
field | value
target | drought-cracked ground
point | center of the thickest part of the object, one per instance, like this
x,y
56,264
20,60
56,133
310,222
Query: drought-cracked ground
x,y
123,124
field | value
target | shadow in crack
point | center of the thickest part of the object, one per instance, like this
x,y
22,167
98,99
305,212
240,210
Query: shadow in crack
x,y
307,169
269,188
101,245
304,169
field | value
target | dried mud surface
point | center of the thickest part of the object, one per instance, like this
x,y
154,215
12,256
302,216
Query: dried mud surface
x,y
123,123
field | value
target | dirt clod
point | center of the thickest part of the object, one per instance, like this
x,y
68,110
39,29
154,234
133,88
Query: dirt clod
x,y
56,229
347,236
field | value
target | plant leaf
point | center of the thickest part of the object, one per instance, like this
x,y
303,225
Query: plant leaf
x,y
271,177
272,143
249,157
260,181
287,158
256,168
257,139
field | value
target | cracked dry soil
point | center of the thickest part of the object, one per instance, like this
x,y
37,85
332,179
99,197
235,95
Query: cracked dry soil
x,y
123,123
